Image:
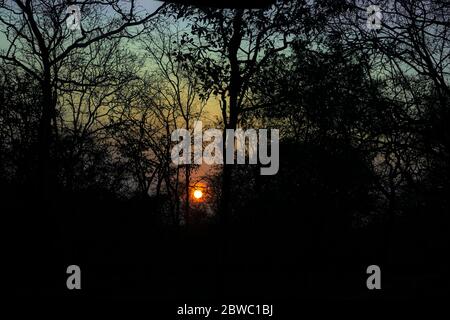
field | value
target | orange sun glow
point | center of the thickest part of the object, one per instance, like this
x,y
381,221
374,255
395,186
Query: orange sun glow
x,y
198,194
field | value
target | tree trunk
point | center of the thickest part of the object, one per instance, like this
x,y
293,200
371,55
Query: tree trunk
x,y
187,202
45,183
234,92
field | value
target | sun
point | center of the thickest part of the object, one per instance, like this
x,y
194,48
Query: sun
x,y
198,194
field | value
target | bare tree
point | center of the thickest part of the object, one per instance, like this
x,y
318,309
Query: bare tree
x,y
94,84
178,90
409,52
40,43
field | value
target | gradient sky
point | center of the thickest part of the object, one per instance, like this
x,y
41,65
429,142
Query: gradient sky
x,y
212,108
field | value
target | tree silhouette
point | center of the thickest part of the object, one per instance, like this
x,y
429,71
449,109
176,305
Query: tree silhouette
x,y
86,123
39,43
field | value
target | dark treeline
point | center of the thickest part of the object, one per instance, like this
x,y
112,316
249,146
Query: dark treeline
x,y
86,175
